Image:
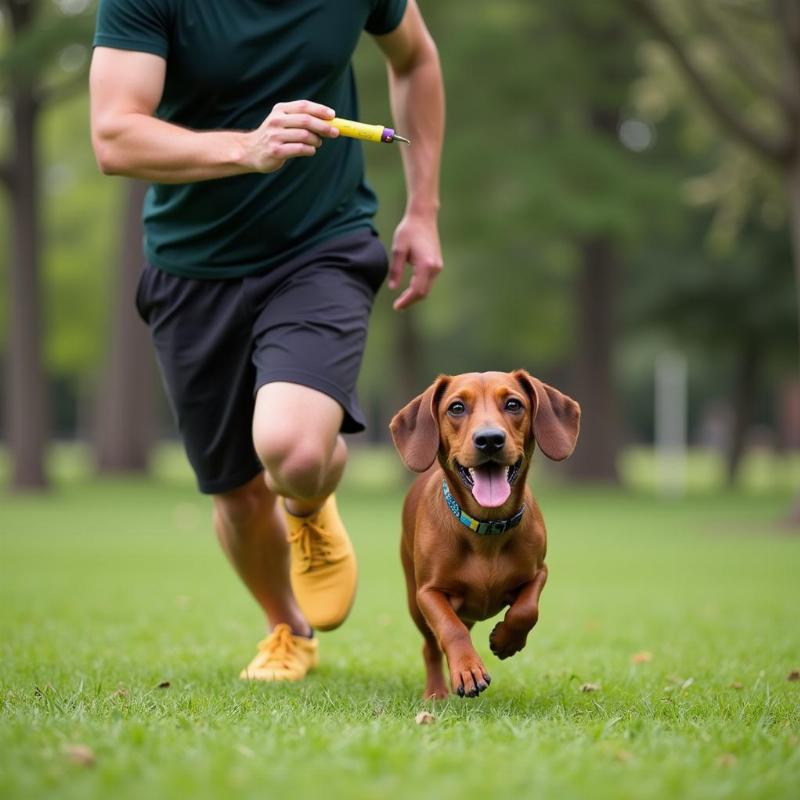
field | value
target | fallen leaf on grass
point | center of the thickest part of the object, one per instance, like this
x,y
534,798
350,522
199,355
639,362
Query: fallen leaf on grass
x,y
737,685
80,754
794,675
590,687
726,760
642,658
617,753
678,683
164,685
424,718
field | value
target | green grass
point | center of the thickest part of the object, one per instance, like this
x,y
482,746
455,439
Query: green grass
x,y
109,589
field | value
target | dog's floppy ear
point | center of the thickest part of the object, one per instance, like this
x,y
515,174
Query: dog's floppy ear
x,y
556,417
415,428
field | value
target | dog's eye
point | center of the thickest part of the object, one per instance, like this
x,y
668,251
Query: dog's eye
x,y
512,404
456,408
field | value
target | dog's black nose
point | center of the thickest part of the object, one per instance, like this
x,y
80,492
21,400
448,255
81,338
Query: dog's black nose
x,y
489,440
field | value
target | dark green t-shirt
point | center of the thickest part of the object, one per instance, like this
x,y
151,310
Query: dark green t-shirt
x,y
228,63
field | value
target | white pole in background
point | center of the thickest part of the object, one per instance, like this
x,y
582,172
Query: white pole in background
x,y
671,398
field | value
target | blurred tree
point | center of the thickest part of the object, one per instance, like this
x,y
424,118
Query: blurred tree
x,y
743,61
82,216
26,423
603,91
125,404
33,31
733,306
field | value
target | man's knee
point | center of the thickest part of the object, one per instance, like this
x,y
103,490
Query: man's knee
x,y
297,466
295,434
240,507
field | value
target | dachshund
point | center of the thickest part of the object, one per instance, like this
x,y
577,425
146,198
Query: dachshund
x,y
474,541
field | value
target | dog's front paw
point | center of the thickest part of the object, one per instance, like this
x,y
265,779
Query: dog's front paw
x,y
504,641
468,676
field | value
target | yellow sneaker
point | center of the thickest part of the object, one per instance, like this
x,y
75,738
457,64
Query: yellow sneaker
x,y
282,656
324,570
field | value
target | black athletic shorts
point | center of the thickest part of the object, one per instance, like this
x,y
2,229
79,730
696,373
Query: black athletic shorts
x,y
218,341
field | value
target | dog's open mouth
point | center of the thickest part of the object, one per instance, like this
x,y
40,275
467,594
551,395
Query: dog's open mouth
x,y
490,482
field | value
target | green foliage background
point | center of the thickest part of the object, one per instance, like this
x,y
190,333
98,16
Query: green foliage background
x,y
525,177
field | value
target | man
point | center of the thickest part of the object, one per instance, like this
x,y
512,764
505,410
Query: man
x,y
262,261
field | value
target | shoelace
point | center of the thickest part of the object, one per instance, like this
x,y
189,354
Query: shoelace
x,y
313,542
278,648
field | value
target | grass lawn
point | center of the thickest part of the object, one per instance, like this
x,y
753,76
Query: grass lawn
x,y
109,591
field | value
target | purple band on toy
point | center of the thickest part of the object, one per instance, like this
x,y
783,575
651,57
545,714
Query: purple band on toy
x,y
387,135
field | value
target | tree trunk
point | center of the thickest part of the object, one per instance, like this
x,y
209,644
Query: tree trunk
x,y
744,401
27,413
125,403
595,458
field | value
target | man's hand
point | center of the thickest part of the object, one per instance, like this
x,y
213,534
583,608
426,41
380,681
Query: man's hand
x,y
291,130
416,242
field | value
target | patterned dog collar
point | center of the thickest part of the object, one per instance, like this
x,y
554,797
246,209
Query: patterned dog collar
x,y
491,527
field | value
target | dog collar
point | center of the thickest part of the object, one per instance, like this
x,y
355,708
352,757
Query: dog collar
x,y
490,527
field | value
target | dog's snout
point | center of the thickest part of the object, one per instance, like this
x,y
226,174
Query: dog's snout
x,y
489,440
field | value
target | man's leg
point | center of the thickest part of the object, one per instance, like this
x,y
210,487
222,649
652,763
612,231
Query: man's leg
x,y
252,531
203,337
296,436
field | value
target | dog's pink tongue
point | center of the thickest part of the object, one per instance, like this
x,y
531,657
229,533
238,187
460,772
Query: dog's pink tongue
x,y
491,489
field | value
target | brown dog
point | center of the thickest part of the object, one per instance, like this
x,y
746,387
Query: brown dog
x,y
474,540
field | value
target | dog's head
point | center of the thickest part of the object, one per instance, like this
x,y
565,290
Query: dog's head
x,y
483,426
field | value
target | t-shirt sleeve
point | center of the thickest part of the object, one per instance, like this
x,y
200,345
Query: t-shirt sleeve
x,y
385,16
141,25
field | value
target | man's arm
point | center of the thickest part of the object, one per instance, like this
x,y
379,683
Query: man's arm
x,y
417,95
126,88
